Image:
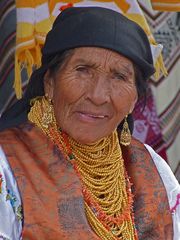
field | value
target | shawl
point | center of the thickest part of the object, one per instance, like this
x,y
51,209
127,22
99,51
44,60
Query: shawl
x,y
52,196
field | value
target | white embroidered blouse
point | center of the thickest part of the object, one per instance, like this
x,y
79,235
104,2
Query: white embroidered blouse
x,y
10,200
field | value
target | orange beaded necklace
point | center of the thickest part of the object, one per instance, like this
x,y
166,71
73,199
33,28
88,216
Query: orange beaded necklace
x,y
100,167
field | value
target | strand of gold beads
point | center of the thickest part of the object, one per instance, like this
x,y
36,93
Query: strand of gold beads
x,y
100,166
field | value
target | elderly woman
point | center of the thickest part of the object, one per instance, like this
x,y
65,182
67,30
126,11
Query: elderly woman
x,y
69,168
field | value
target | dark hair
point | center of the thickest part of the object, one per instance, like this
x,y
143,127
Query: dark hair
x,y
141,83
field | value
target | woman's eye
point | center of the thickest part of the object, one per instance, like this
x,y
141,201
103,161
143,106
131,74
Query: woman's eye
x,y
83,69
119,76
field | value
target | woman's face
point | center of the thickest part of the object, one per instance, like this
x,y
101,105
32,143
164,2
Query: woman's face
x,y
92,93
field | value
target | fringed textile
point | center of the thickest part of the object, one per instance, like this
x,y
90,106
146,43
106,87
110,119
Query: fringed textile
x,y
33,23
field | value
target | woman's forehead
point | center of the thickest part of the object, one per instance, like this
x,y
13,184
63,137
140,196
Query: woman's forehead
x,y
96,55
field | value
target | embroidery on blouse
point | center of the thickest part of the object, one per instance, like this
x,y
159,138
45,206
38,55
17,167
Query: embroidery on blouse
x,y
19,213
3,238
17,209
1,181
173,209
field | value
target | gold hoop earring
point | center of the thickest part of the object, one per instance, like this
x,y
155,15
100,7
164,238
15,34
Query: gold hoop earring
x,y
125,138
48,112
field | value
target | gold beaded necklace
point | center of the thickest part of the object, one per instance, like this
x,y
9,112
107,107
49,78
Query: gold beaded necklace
x,y
100,167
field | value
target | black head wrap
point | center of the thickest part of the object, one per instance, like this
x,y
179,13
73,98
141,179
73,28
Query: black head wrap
x,y
80,27
99,27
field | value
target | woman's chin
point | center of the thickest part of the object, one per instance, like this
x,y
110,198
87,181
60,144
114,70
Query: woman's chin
x,y
88,138
86,141
84,138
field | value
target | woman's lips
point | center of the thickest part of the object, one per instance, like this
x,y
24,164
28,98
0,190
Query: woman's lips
x,y
91,117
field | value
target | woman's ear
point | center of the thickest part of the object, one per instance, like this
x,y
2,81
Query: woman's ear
x,y
48,85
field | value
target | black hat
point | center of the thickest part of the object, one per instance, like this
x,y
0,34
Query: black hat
x,y
99,27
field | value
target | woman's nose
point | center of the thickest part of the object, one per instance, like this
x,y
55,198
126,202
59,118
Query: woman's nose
x,y
99,90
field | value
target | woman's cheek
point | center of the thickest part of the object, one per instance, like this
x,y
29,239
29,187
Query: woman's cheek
x,y
125,92
125,99
73,94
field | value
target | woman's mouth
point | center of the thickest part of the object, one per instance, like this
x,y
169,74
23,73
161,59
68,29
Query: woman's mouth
x,y
91,117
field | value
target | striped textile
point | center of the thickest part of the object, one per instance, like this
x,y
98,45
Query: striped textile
x,y
7,50
33,23
169,120
166,5
7,53
166,91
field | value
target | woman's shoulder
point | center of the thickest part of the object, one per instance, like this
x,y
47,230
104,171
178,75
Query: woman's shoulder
x,y
172,188
10,202
164,170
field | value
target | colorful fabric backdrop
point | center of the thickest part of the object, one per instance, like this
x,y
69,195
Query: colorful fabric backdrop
x,y
166,91
159,123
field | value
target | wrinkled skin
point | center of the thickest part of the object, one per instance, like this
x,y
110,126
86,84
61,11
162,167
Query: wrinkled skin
x,y
92,92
